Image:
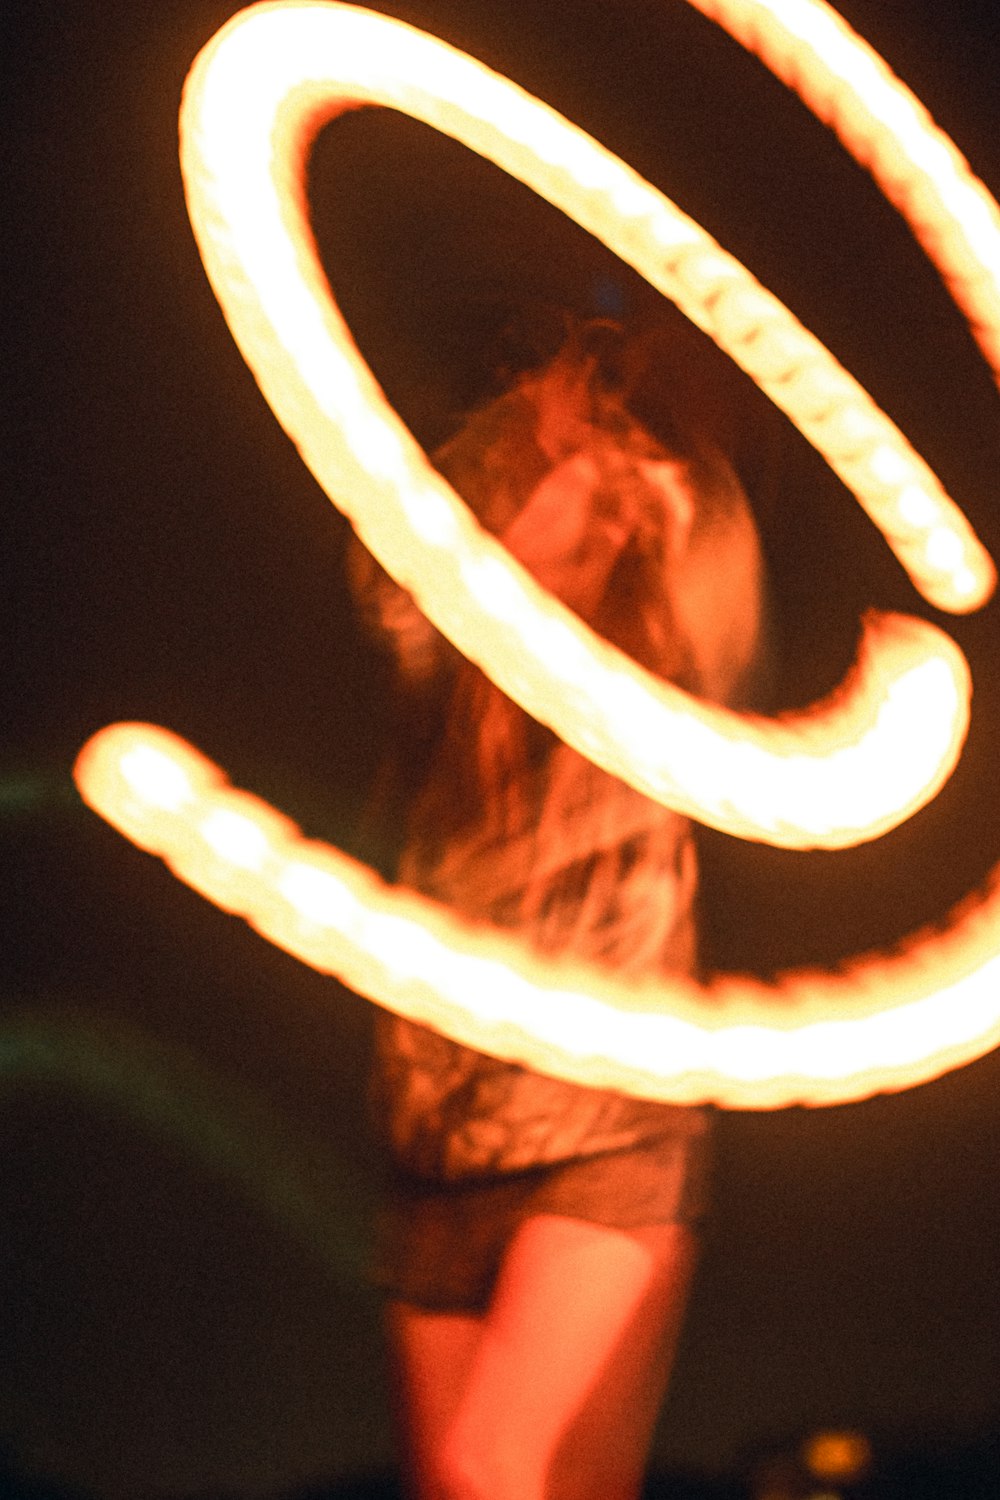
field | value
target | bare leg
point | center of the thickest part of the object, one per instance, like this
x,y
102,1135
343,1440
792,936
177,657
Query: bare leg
x,y
432,1355
554,1393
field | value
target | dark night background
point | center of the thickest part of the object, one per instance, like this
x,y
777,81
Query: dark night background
x,y
185,1179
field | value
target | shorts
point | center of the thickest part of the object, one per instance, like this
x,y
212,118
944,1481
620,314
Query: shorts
x,y
440,1245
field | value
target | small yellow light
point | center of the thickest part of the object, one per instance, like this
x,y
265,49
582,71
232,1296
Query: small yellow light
x,y
837,1457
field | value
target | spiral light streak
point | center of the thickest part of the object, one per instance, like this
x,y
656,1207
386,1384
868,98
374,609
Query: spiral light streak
x,y
811,1038
253,103
844,771
889,132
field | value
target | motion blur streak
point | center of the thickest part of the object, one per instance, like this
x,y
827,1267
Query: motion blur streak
x,y
811,1038
844,771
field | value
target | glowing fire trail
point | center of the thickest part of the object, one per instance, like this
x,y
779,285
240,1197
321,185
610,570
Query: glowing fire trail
x,y
254,101
811,1038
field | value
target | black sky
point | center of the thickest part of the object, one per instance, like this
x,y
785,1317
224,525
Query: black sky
x,y
173,561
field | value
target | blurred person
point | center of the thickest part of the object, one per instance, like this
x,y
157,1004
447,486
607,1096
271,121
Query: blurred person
x,y
538,1238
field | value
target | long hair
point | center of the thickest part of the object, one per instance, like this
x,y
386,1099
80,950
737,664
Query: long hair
x,y
650,540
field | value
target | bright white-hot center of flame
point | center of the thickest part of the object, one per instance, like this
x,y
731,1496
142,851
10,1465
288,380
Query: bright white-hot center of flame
x,y
156,779
849,769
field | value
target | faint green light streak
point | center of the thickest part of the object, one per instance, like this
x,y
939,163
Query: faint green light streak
x,y
175,1097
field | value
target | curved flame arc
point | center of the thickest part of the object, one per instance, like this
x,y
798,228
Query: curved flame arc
x,y
887,1023
832,776
242,153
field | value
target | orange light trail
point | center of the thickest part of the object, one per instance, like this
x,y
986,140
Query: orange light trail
x,y
889,132
806,781
810,1038
846,770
